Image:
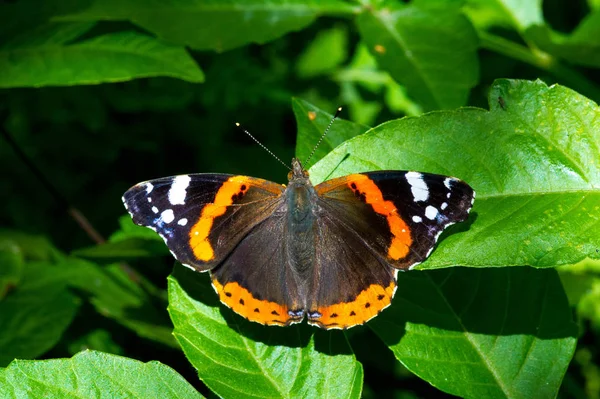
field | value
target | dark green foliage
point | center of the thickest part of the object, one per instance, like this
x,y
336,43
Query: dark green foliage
x,y
97,95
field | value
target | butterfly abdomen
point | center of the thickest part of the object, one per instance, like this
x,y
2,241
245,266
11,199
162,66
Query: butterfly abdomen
x,y
301,200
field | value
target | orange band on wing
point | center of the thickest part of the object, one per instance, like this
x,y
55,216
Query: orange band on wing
x,y
241,301
367,305
401,239
234,186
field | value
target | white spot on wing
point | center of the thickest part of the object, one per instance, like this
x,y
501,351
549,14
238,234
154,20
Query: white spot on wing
x,y
444,206
418,186
149,188
167,216
154,209
447,182
182,222
149,199
417,219
177,192
431,212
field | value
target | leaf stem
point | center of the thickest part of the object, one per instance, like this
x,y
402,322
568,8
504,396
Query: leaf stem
x,y
540,59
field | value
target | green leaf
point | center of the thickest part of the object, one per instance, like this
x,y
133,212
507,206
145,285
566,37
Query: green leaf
x,y
129,230
312,122
363,71
46,58
117,295
582,47
215,24
325,52
131,248
239,359
93,374
482,333
34,315
431,49
533,160
517,14
32,247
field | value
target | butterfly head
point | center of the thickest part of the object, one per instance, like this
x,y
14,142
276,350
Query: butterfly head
x,y
297,172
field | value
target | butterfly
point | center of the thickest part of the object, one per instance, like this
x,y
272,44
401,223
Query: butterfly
x,y
277,254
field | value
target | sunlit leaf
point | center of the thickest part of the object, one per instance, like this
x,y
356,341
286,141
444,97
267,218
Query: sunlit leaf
x,y
515,14
428,48
93,375
312,123
215,24
236,358
482,333
45,57
533,160
35,313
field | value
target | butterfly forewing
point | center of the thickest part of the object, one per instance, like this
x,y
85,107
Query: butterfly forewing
x,y
202,217
411,210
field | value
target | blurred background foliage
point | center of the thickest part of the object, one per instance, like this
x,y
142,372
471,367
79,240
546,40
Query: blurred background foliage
x,y
93,141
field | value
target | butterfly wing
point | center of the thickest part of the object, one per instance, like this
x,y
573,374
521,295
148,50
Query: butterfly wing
x,y
369,226
202,217
256,280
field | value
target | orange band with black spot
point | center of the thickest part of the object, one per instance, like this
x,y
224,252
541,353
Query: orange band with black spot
x,y
367,305
199,242
241,301
401,239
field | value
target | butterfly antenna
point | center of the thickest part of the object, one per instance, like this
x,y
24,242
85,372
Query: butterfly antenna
x,y
263,146
337,113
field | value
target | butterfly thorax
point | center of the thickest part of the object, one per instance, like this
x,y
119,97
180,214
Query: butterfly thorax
x,y
301,199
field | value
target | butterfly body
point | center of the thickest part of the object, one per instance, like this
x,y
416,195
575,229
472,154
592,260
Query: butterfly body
x,y
278,254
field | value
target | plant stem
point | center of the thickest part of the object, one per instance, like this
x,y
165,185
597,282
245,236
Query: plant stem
x,y
542,60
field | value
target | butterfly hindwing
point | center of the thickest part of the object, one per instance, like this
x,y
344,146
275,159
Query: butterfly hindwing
x,y
257,279
201,217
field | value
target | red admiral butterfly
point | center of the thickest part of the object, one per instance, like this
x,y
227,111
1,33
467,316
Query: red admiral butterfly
x,y
277,254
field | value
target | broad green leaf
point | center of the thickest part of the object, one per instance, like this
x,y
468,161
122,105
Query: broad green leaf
x,y
32,247
482,333
582,47
27,15
47,58
312,123
533,160
131,248
215,24
92,374
517,14
116,295
431,49
34,315
239,359
327,51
